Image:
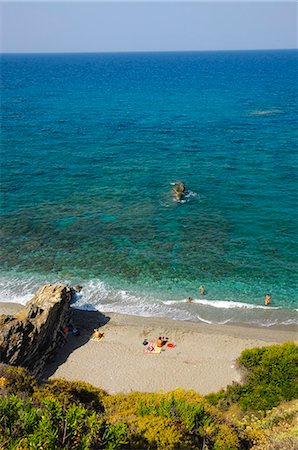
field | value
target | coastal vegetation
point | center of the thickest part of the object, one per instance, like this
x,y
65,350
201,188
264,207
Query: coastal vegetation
x,y
258,414
270,377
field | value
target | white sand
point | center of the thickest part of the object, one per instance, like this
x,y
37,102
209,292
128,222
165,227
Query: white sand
x,y
203,358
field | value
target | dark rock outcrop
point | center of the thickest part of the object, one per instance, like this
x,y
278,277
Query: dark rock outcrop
x,y
32,336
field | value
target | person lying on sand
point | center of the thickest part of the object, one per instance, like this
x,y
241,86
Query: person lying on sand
x,y
161,341
71,329
97,334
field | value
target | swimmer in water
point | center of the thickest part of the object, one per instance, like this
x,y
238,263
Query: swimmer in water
x,y
202,290
267,300
189,300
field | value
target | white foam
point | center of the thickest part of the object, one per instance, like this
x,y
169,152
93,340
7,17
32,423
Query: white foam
x,y
187,197
232,305
213,322
18,290
107,299
98,295
190,194
222,304
289,322
265,112
21,299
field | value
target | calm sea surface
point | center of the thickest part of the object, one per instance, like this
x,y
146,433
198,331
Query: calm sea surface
x,y
91,145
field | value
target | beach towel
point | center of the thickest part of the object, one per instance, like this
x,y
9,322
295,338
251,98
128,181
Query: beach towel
x,y
156,350
152,348
149,347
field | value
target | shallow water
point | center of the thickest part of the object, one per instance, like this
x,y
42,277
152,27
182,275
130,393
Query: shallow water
x,y
91,145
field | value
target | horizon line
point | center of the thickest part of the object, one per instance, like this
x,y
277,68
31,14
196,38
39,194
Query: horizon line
x,y
143,51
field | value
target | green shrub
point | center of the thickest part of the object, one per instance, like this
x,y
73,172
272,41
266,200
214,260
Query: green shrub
x,y
190,414
215,397
226,439
161,433
75,415
44,435
276,429
175,419
23,425
72,392
271,377
17,379
115,436
18,418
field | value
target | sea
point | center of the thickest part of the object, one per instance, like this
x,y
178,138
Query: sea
x,y
91,147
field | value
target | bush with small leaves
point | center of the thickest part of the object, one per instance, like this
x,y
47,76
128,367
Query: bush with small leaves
x,y
226,439
161,433
115,436
16,380
75,415
72,392
271,377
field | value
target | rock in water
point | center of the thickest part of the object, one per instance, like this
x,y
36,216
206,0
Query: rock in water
x,y
179,190
32,336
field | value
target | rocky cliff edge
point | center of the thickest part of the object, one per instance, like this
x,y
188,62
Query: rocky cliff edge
x,y
32,336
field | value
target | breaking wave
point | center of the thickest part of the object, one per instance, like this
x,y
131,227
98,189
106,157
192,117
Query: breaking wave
x,y
266,112
99,295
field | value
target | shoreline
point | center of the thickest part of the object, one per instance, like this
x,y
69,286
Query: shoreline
x,y
10,308
95,293
13,308
203,359
292,328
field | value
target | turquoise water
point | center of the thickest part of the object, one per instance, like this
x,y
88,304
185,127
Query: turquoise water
x,y
91,145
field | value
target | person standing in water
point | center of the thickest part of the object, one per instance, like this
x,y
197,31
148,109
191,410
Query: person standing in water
x,y
267,300
202,289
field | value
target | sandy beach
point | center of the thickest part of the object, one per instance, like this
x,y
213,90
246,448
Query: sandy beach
x,y
10,308
203,357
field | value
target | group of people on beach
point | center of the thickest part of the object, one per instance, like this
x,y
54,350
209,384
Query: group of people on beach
x,y
267,300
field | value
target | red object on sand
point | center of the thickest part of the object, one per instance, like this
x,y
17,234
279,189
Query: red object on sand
x,y
170,345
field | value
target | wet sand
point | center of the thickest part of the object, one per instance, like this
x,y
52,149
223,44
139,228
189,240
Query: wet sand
x,y
10,308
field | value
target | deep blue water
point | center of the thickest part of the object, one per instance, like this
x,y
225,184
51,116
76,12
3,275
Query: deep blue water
x,y
90,146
